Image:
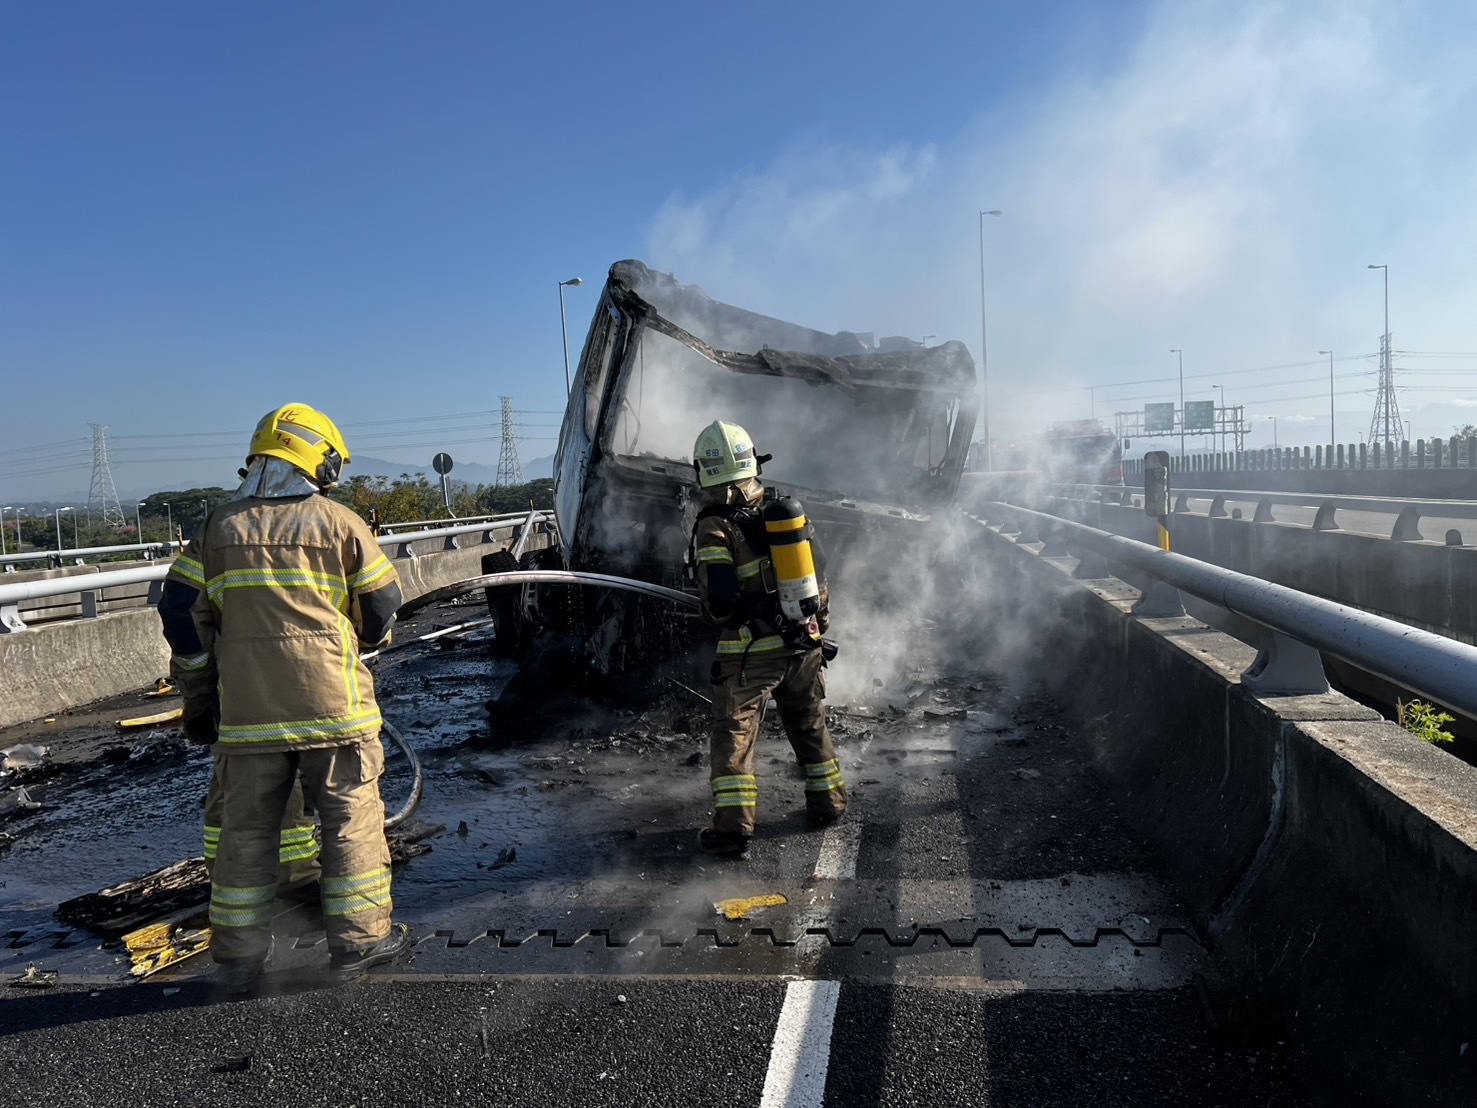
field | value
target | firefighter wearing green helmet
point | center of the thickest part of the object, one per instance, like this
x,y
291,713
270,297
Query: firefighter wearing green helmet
x,y
770,643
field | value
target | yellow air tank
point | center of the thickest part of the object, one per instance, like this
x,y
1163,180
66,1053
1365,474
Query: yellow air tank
x,y
790,554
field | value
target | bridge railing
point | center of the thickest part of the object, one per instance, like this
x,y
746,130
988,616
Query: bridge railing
x,y
1408,512
149,550
1289,629
431,524
1436,453
89,594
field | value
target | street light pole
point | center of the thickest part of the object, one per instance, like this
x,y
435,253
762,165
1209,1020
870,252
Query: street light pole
x,y
3,510
984,352
564,329
1332,436
19,545
1181,353
1274,431
59,512
169,522
138,514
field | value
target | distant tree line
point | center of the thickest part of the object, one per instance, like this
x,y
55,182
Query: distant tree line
x,y
412,497
405,499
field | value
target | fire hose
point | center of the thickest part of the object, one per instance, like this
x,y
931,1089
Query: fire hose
x,y
495,580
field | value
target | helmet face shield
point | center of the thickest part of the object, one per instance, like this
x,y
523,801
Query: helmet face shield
x,y
723,453
305,437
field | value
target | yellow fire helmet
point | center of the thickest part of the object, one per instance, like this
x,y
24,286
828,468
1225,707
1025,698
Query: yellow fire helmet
x,y
724,453
305,437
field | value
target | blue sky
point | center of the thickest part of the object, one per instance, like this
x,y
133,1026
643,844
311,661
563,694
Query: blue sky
x,y
208,210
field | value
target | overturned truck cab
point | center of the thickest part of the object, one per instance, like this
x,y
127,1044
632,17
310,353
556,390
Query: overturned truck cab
x,y
871,436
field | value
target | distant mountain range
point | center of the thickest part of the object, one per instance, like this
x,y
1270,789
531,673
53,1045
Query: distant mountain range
x,y
473,473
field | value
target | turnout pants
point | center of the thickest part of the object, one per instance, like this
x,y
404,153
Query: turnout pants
x,y
297,856
342,783
740,687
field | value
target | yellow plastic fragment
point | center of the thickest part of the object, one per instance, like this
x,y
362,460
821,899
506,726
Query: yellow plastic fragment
x,y
162,687
157,945
739,907
157,717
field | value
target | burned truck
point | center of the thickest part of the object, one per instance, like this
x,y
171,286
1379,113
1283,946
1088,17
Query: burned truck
x,y
870,436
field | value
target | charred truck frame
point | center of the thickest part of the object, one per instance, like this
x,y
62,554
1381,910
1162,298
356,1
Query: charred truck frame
x,y
871,437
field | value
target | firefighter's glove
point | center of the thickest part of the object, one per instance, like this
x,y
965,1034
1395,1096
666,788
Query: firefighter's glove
x,y
365,647
202,719
823,618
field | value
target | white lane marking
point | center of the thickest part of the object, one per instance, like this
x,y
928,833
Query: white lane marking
x,y
801,1053
839,847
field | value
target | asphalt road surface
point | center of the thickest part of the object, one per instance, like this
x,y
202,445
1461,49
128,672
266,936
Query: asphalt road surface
x,y
981,929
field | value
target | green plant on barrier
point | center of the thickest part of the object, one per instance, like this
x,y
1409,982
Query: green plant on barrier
x,y
1423,721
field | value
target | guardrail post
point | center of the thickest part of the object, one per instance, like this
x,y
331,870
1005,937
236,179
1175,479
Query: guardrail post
x,y
402,550
1159,601
89,605
1285,667
1053,545
10,619
156,592
1092,567
1407,526
450,543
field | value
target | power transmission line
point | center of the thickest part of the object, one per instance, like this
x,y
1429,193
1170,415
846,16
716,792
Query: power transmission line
x,y
102,492
509,471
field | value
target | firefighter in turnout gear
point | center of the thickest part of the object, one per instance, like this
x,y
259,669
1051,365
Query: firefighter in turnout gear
x,y
762,650
266,612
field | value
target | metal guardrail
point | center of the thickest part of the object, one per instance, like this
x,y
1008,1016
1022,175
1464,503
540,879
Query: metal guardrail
x,y
90,586
393,528
1408,512
149,550
1297,626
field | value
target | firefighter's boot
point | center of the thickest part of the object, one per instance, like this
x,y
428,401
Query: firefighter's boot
x,y
351,964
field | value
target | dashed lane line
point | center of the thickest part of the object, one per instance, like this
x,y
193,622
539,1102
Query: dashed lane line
x,y
801,1053
838,853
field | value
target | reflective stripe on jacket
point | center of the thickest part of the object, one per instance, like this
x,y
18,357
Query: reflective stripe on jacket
x,y
286,593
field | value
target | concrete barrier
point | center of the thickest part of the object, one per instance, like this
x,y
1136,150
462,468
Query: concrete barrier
x,y
55,666
1329,859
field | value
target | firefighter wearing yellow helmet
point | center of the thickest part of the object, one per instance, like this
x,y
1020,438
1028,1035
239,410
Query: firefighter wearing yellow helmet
x,y
756,563
280,693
